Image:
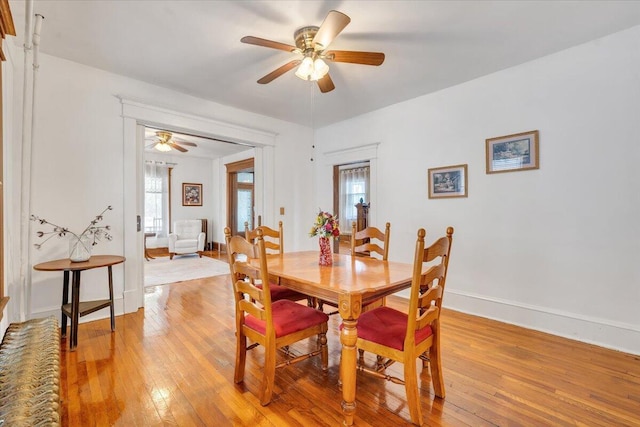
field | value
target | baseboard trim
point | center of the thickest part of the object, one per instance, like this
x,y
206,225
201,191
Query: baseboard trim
x,y
592,330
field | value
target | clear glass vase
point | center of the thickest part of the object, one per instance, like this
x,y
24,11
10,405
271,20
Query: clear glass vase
x,y
80,248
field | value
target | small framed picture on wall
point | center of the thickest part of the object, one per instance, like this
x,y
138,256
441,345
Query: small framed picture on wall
x,y
447,182
191,194
515,152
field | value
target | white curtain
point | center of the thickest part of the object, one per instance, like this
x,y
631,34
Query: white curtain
x,y
354,185
156,199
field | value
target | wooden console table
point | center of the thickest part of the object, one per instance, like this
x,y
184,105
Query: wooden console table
x,y
77,309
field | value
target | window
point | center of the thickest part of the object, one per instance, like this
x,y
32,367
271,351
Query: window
x,y
156,199
354,187
245,199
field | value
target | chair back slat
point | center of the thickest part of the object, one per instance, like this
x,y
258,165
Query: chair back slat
x,y
271,246
369,233
249,288
429,306
369,247
243,270
435,273
428,317
252,308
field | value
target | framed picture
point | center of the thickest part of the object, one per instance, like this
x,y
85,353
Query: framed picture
x,y
513,152
449,181
191,194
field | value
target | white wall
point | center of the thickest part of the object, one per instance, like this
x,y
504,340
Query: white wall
x,y
78,168
555,249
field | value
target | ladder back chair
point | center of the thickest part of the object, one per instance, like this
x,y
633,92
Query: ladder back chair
x,y
272,324
366,245
364,248
274,245
403,337
273,239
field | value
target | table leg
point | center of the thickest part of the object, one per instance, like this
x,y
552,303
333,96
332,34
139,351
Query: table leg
x,y
113,316
75,309
65,300
349,311
348,337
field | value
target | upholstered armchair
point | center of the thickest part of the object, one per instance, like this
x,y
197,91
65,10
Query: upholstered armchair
x,y
187,238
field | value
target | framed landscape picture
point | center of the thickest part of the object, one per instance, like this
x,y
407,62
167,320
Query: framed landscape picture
x,y
447,182
513,152
191,194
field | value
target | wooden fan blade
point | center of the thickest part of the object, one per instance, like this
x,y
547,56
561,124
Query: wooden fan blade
x,y
183,142
188,144
326,84
177,147
332,25
267,43
153,145
279,71
353,57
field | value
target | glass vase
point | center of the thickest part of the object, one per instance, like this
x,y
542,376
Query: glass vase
x,y
326,258
80,248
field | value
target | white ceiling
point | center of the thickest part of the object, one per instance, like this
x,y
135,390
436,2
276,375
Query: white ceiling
x,y
194,46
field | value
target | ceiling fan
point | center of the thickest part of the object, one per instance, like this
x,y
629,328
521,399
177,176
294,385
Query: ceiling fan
x,y
166,142
312,43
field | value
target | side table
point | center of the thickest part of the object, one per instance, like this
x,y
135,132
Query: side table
x,y
76,309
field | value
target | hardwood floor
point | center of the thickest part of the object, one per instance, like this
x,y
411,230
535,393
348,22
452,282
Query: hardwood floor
x,y
172,362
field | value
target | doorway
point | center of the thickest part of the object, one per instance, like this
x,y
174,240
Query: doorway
x,y
241,195
351,191
136,116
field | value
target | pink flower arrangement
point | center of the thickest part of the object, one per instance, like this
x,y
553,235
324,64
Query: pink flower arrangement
x,y
326,225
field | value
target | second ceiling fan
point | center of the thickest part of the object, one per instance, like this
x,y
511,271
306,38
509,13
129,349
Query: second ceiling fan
x,y
312,43
166,142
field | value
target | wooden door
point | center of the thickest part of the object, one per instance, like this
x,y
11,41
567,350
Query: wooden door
x,y
240,195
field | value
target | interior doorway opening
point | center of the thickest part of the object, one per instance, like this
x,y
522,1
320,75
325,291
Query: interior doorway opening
x,y
240,195
351,184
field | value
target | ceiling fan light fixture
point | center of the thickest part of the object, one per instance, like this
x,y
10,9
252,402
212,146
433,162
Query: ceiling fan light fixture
x,y
305,69
312,69
163,147
320,69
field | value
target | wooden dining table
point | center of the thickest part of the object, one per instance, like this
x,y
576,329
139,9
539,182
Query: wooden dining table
x,y
351,283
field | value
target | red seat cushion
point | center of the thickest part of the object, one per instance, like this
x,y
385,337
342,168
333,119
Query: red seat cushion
x,y
282,292
386,326
288,317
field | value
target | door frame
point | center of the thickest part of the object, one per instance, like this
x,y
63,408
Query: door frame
x,y
363,153
136,116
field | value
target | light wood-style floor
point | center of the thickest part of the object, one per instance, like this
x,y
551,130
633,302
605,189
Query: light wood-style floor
x,y
171,364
